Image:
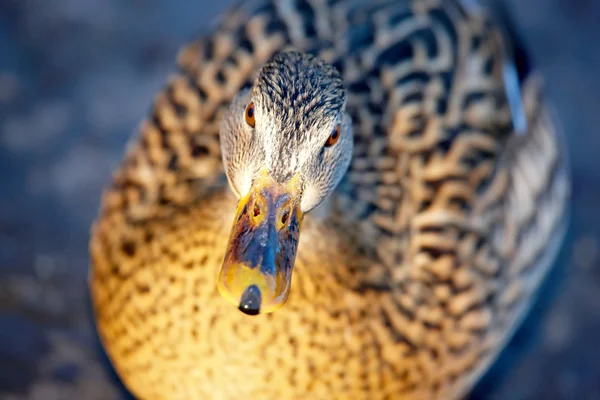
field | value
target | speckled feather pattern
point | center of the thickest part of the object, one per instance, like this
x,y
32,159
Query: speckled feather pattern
x,y
409,278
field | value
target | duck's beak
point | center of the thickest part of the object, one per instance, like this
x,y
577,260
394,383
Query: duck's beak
x,y
257,269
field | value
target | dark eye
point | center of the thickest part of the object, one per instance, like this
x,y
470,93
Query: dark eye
x,y
334,137
250,114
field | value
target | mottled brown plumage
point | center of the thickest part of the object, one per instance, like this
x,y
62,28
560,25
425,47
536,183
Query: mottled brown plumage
x,y
409,278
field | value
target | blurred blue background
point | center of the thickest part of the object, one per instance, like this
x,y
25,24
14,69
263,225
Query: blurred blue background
x,y
76,76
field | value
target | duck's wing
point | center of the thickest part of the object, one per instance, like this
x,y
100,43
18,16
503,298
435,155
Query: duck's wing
x,y
522,212
525,210
526,205
461,186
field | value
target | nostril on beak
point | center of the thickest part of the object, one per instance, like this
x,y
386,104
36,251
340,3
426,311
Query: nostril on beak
x,y
284,217
250,302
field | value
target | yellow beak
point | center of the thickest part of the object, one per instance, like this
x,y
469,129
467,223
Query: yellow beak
x,y
257,269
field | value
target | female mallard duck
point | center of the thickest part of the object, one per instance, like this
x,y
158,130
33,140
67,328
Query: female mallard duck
x,y
441,187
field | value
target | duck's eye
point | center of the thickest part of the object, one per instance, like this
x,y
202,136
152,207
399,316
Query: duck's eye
x,y
250,114
334,137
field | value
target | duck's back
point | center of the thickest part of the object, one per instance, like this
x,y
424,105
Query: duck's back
x,y
410,278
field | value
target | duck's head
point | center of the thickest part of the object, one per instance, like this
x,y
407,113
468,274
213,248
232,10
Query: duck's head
x,y
286,144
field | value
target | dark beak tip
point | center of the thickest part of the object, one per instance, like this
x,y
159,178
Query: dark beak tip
x,y
250,301
249,311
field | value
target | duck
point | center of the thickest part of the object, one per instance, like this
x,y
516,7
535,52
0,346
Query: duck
x,y
331,199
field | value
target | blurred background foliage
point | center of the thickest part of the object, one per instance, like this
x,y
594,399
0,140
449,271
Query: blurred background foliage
x,y
76,76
